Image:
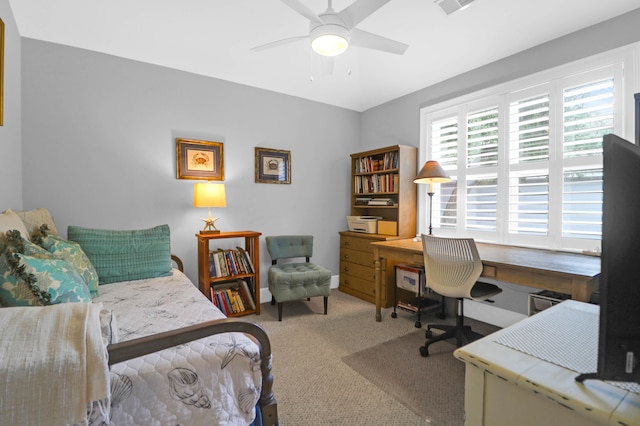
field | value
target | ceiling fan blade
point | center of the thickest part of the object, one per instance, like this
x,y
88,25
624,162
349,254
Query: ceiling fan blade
x,y
373,41
303,10
278,43
358,11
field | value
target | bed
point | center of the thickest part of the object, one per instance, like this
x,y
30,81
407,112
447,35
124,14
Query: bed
x,y
172,358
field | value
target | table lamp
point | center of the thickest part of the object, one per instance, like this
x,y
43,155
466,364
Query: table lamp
x,y
431,173
209,195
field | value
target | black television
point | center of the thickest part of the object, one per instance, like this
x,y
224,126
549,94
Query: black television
x,y
619,332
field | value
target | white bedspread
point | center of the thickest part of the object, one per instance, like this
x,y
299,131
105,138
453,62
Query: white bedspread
x,y
53,365
213,381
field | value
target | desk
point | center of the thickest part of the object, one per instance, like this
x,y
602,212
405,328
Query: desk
x,y
570,273
525,374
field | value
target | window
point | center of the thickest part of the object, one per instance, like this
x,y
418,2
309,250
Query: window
x,y
525,159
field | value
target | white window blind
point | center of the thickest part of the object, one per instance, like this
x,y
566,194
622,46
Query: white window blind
x,y
529,203
445,149
529,130
527,168
482,191
482,138
588,114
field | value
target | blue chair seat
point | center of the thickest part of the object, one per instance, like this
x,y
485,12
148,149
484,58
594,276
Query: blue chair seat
x,y
294,281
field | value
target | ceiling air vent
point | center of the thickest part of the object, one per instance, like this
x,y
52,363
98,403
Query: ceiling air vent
x,y
450,6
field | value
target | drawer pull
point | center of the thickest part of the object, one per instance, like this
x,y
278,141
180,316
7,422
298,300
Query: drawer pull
x,y
346,256
346,243
346,269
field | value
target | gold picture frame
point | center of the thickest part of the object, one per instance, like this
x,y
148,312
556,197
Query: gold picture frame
x,y
273,166
201,160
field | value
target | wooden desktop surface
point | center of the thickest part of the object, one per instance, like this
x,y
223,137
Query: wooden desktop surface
x,y
570,273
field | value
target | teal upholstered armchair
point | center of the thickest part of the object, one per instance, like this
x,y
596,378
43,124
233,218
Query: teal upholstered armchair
x,y
295,281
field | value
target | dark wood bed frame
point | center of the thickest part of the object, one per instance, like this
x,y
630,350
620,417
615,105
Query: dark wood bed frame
x,y
122,351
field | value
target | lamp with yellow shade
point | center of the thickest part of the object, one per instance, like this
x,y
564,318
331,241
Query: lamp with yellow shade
x,y
209,195
431,173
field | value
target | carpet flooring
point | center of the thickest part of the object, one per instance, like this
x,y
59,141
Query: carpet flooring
x,y
345,368
432,387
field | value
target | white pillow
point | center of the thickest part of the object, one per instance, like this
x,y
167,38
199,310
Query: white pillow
x,y
9,220
35,218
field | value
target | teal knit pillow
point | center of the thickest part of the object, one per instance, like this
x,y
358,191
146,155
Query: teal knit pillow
x,y
125,255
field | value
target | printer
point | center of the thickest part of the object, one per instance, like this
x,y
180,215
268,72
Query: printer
x,y
364,224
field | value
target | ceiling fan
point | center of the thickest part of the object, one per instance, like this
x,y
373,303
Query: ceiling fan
x,y
332,33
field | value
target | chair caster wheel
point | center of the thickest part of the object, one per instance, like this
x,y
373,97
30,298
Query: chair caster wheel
x,y
428,334
394,315
418,324
424,351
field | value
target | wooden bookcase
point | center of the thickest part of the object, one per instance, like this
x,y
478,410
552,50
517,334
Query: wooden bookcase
x,y
384,173
251,246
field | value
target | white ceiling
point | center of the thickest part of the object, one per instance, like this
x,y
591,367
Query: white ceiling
x,y
215,37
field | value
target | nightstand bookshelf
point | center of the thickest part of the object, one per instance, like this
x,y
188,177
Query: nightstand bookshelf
x,y
236,272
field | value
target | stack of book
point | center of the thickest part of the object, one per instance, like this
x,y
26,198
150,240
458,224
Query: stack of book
x,y
228,263
233,298
381,202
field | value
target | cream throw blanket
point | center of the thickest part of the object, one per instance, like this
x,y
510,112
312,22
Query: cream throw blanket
x,y
53,363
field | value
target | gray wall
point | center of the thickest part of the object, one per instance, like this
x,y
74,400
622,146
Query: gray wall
x,y
400,119
10,131
99,150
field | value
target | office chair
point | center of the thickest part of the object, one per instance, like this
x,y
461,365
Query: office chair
x,y
295,281
452,267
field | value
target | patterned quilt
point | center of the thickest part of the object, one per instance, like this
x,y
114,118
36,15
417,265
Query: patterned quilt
x,y
213,381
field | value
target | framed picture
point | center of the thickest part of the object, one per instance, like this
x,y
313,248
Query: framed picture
x,y
200,160
273,166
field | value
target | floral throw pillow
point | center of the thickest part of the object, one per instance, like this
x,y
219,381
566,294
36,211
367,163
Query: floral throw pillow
x,y
29,276
73,254
58,278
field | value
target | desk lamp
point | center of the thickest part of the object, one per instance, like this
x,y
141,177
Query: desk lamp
x,y
431,173
209,195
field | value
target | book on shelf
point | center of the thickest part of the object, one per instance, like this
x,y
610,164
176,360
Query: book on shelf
x,y
233,297
212,266
246,293
245,258
386,161
230,262
376,183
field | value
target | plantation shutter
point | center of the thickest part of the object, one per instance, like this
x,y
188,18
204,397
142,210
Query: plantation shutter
x,y
588,114
528,206
444,137
482,172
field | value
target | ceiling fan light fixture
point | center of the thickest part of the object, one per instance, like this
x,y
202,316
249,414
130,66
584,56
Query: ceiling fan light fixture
x,y
330,40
